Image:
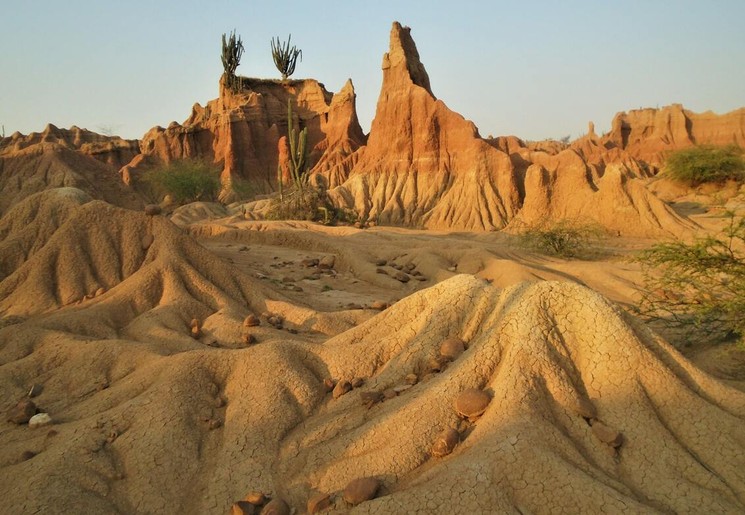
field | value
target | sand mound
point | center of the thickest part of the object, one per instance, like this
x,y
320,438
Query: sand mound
x,y
166,425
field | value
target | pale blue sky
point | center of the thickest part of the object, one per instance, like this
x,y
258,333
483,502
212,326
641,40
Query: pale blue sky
x,y
536,69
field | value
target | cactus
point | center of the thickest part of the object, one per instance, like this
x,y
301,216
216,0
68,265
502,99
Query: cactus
x,y
298,150
232,49
285,58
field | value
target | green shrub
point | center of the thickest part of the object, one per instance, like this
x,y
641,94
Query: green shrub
x,y
703,164
698,285
564,238
185,181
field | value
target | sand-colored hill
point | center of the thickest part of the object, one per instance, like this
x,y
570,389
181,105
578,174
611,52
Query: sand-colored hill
x,y
57,158
587,411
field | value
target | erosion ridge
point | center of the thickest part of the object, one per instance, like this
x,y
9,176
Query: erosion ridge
x,y
149,418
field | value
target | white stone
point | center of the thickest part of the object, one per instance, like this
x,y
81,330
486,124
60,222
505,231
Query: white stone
x,y
39,420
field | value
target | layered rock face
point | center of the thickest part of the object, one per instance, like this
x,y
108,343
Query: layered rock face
x,y
239,131
111,150
58,158
648,133
425,165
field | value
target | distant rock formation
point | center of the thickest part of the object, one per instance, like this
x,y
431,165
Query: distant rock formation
x,y
647,134
58,158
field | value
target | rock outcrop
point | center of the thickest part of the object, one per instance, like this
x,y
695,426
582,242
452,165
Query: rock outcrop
x,y
239,131
423,165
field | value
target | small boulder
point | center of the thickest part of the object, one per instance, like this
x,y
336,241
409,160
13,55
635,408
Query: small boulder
x,y
607,434
39,420
256,498
361,490
329,384
318,502
276,507
251,321
411,379
381,271
22,412
309,263
370,399
242,508
471,403
248,338
445,442
27,455
380,262
341,388
378,305
357,382
35,390
402,277
153,210
452,348
326,262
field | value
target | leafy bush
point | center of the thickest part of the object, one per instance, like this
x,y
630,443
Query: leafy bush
x,y
564,238
698,285
702,164
185,181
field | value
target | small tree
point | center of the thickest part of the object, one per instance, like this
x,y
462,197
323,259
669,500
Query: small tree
x,y
700,285
702,164
563,238
285,57
232,49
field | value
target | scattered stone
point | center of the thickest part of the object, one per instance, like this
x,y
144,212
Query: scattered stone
x,y
341,388
39,420
215,424
445,442
370,399
361,490
380,271
276,321
35,390
607,434
251,321
318,502
297,289
196,332
585,409
259,275
378,305
291,330
100,291
309,263
22,412
412,379
381,262
353,305
401,388
390,393
452,268
326,262
452,348
288,279
256,498
242,508
276,507
421,278
328,384
357,382
147,240
358,225
396,266
401,276
409,267
27,455
248,338
153,210
220,402
471,403
243,249
415,273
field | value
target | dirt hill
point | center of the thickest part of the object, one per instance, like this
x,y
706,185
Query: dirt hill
x,y
150,416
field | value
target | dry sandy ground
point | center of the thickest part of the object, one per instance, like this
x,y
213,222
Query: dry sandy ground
x,y
588,411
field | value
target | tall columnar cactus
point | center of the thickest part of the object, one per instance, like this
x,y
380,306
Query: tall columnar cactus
x,y
285,57
232,49
298,150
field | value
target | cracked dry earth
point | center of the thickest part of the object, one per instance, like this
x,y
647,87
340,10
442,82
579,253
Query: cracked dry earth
x,y
589,411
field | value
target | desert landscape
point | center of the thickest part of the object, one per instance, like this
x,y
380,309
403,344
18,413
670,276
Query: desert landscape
x,y
403,349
